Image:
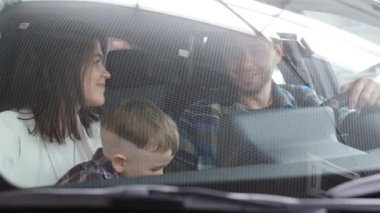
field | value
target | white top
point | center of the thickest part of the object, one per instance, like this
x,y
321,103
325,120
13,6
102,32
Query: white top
x,y
28,161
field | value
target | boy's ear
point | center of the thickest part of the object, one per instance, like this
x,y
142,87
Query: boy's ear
x,y
119,163
279,51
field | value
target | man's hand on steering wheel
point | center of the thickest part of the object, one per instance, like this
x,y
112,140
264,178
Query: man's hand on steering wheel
x,y
364,92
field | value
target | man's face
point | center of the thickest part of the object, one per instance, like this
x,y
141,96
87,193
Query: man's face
x,y
250,63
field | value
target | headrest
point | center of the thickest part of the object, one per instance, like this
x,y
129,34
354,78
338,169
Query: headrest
x,y
129,69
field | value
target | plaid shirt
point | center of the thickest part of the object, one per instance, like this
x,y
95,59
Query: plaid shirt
x,y
98,168
199,123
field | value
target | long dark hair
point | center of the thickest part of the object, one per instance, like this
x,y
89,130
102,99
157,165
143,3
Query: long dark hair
x,y
47,79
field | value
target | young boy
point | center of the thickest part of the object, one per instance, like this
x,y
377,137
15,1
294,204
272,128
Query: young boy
x,y
137,138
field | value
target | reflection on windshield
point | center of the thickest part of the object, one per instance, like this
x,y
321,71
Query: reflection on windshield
x,y
155,98
348,24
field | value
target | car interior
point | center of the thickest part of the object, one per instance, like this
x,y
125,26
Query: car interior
x,y
166,65
157,69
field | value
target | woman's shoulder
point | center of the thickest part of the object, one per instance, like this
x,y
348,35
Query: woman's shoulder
x,y
13,118
9,116
16,114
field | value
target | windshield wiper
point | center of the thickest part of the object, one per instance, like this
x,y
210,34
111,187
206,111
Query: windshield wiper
x,y
139,197
161,197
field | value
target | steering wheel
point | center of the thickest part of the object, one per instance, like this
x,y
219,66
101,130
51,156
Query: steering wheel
x,y
337,101
342,100
360,128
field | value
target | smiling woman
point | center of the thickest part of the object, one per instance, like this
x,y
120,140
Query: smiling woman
x,y
94,78
47,125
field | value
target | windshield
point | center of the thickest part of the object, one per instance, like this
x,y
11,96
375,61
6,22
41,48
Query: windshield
x,y
237,96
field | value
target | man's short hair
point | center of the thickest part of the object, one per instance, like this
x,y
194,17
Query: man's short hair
x,y
143,124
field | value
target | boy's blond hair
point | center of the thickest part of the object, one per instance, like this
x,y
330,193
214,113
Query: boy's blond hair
x,y
143,124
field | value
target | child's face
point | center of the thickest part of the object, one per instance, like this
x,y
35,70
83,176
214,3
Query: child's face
x,y
141,162
130,160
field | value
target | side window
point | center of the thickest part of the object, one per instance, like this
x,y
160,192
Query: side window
x,y
278,77
356,27
348,24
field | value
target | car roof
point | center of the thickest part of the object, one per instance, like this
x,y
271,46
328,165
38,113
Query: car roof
x,y
266,19
198,10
